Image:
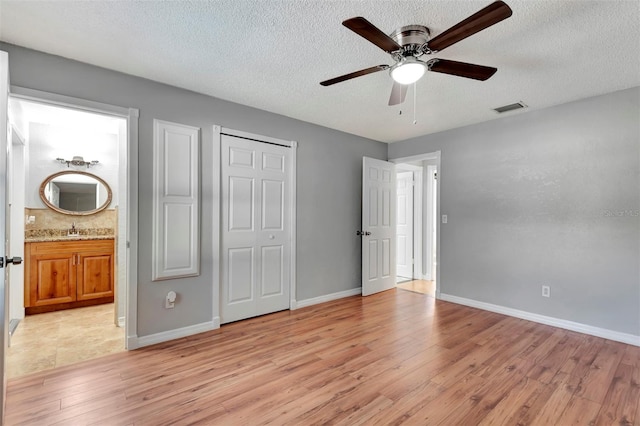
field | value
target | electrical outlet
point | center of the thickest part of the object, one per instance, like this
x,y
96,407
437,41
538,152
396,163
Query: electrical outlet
x,y
546,291
445,219
170,301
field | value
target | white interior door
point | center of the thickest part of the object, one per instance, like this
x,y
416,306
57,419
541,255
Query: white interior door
x,y
404,221
256,236
378,225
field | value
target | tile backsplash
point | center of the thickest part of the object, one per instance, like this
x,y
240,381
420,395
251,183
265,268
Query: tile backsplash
x,y
49,222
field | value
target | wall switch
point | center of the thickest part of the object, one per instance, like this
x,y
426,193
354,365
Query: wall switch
x,y
444,218
546,291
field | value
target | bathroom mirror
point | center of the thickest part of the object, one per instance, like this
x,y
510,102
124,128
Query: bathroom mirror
x,y
75,193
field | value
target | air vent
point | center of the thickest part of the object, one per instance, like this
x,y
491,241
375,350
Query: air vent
x,y
509,107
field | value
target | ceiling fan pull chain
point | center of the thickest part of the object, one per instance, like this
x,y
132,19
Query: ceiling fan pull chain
x,y
415,95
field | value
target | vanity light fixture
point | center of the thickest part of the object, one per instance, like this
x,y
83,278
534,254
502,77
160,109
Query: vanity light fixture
x,y
77,161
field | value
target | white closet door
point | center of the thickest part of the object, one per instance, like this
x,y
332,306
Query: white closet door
x,y
256,247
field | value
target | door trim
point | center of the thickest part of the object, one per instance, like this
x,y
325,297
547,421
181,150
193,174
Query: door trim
x,y
218,131
436,155
130,167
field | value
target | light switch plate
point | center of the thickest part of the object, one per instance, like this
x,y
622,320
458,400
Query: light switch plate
x,y
444,218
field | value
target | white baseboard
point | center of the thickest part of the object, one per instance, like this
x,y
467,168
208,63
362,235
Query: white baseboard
x,y
121,322
326,298
543,319
135,342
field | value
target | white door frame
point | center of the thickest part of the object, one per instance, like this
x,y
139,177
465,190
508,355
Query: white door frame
x,y
127,184
16,194
4,285
429,219
216,225
437,157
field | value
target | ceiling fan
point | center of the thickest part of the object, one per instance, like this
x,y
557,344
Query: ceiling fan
x,y
408,44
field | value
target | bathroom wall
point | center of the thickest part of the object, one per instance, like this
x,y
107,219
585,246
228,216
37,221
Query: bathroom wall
x,y
48,142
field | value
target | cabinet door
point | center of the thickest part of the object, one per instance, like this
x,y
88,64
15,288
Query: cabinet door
x,y
95,275
53,279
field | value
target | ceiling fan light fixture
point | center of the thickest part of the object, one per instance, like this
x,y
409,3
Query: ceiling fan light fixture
x,y
408,71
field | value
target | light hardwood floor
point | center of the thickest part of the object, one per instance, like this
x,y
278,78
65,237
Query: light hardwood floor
x,y
390,358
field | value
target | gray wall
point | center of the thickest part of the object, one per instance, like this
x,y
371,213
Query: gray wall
x,y
328,179
545,197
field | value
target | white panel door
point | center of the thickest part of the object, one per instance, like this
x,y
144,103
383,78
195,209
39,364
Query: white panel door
x,y
256,237
404,221
378,225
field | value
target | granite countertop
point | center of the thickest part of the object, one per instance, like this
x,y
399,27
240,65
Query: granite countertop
x,y
68,238
42,235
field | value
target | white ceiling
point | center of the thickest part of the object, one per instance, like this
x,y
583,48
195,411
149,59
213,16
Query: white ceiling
x,y
272,54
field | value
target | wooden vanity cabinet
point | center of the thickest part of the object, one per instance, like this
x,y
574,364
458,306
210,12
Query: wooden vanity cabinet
x,y
68,274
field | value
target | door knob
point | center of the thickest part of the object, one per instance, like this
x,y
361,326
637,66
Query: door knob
x,y
367,233
8,260
361,233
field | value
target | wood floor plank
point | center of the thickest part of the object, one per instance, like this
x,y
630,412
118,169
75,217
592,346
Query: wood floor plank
x,y
552,360
579,411
409,404
616,407
493,390
444,405
596,382
392,358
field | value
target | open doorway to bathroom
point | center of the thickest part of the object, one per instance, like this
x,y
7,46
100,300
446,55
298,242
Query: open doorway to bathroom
x,y
68,216
417,212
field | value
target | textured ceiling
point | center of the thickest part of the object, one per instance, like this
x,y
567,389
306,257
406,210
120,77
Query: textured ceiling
x,y
272,54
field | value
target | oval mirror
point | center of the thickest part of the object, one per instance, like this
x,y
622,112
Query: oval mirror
x,y
75,193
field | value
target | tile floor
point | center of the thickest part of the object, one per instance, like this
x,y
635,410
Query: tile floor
x,y
54,339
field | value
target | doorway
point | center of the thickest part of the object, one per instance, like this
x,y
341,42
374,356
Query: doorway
x,y
417,225
50,136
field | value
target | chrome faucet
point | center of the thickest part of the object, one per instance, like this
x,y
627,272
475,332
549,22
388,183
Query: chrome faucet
x,y
73,230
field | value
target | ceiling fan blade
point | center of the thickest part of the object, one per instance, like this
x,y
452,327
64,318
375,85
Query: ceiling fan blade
x,y
477,22
462,69
354,75
366,29
398,93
